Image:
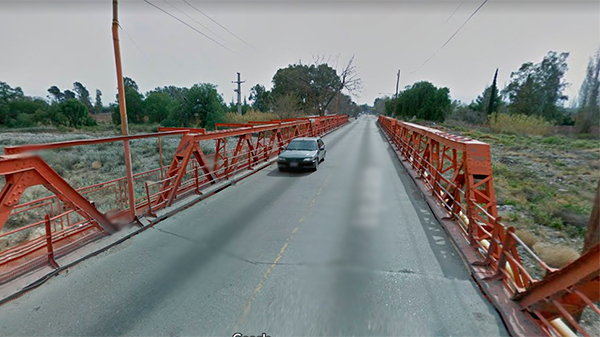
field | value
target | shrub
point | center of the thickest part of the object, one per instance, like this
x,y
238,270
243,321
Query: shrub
x,y
466,116
554,140
555,255
520,124
252,115
529,239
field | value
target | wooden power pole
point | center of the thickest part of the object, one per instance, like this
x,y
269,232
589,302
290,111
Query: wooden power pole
x,y
123,110
396,97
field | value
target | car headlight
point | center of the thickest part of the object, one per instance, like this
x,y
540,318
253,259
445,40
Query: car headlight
x,y
310,159
281,159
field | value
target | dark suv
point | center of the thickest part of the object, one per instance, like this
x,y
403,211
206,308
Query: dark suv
x,y
306,152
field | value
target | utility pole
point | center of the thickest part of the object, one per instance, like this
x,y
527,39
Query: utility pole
x,y
123,111
396,99
239,93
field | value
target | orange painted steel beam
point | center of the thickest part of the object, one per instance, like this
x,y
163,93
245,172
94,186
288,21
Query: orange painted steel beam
x,y
56,145
257,143
195,130
436,156
231,125
582,275
26,170
223,166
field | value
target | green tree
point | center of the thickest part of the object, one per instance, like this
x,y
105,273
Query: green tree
x,y
201,103
27,111
422,100
379,105
83,95
158,106
315,85
176,93
537,89
56,96
68,94
134,103
589,96
7,95
72,113
98,107
18,110
346,106
261,98
484,102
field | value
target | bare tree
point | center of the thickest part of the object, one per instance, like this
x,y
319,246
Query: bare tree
x,y
348,81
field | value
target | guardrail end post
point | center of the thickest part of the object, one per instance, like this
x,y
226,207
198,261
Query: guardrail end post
x,y
49,247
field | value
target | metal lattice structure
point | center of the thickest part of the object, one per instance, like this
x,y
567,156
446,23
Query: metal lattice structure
x,y
70,217
457,172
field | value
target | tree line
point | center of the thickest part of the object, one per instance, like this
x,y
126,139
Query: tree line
x,y
309,89
535,89
298,90
62,108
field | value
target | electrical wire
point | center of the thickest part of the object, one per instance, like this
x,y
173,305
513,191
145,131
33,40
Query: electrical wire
x,y
220,25
143,54
451,15
451,37
188,25
200,24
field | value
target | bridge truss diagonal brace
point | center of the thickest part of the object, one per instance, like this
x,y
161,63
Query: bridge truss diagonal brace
x,y
565,286
187,148
25,170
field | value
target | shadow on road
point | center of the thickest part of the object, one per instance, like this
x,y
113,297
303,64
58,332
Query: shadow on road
x,y
290,173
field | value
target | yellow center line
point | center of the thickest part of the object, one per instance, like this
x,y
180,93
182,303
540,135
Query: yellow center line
x,y
281,251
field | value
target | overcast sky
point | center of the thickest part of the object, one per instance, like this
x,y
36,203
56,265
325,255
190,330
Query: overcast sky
x,y
46,42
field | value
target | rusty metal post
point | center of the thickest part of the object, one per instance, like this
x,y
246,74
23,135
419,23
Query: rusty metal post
x,y
160,159
123,110
149,201
197,181
51,260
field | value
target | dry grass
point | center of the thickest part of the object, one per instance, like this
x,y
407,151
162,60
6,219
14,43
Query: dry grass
x,y
250,116
520,124
556,256
103,118
529,239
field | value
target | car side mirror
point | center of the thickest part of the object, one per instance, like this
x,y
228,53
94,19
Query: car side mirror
x,y
322,148
282,148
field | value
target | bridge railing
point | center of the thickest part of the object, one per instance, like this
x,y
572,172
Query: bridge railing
x,y
457,172
46,228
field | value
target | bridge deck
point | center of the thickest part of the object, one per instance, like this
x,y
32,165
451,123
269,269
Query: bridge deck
x,y
351,249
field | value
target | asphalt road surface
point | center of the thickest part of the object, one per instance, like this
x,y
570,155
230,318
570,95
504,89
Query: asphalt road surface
x,y
351,249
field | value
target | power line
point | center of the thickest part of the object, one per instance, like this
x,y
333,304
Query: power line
x,y
185,23
451,15
220,25
451,37
184,13
142,52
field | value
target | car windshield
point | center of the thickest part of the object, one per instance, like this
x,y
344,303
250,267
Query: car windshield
x,y
302,145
